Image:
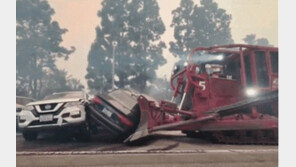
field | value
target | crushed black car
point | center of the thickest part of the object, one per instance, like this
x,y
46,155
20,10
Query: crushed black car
x,y
115,113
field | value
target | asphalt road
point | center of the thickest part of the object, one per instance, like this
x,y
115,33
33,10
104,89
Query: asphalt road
x,y
162,149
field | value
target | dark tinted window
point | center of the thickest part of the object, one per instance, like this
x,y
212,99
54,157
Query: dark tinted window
x,y
232,68
248,70
261,67
274,61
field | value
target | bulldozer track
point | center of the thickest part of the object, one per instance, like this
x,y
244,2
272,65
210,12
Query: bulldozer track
x,y
242,136
256,137
253,137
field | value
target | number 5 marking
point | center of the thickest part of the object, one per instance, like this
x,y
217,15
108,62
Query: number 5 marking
x,y
202,84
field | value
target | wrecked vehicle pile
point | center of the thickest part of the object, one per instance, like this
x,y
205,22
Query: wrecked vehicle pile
x,y
227,94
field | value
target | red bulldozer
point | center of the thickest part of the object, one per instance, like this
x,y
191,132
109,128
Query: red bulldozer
x,y
227,94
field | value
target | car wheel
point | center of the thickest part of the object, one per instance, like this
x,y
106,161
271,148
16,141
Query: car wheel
x,y
30,136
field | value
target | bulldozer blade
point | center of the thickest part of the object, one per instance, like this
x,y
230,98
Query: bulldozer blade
x,y
143,127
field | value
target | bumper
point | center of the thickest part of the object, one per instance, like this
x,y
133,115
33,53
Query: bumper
x,y
68,117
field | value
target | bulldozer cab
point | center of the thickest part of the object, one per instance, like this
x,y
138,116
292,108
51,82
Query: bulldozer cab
x,y
222,75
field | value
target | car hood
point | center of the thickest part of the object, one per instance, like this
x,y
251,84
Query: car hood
x,y
19,106
53,101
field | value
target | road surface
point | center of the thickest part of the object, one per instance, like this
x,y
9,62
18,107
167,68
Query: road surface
x,y
162,149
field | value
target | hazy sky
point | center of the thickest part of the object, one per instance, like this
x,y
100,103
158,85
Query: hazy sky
x,y
80,18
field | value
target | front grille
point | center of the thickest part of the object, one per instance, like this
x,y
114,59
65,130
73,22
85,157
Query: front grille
x,y
50,106
37,122
36,114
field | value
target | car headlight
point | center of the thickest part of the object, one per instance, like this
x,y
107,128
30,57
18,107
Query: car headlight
x,y
251,92
71,104
30,108
75,114
220,57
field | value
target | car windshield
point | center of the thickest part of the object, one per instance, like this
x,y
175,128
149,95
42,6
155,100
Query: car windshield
x,y
64,95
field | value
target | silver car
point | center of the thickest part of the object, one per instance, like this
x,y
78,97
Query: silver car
x,y
20,104
63,110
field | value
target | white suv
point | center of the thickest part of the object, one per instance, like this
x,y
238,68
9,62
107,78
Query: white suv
x,y
20,104
55,112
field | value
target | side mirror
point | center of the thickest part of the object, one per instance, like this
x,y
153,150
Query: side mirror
x,y
176,69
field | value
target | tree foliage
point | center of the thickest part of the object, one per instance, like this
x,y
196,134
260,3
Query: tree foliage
x,y
135,25
199,26
38,40
251,40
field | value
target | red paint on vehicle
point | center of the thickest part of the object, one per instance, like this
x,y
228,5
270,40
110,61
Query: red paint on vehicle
x,y
216,101
97,100
125,121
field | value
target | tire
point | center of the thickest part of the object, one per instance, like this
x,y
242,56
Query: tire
x,y
30,136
